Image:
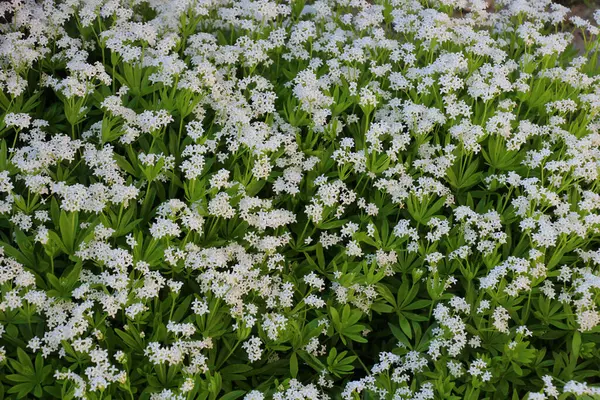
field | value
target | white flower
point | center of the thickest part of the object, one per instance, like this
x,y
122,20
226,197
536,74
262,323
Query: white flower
x,y
219,206
19,120
252,347
164,227
588,319
500,319
200,307
254,395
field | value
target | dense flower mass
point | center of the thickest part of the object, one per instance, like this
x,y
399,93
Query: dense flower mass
x,y
277,199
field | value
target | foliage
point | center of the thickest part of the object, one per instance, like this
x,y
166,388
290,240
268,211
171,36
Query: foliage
x,y
213,199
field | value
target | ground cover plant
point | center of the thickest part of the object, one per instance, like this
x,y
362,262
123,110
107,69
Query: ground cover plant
x,y
213,199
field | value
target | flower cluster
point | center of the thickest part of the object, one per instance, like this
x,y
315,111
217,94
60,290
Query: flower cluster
x,y
265,199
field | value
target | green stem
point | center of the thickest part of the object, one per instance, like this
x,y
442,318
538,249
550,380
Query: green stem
x,y
361,363
228,355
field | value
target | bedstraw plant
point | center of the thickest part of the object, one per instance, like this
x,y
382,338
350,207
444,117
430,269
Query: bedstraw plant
x,y
332,199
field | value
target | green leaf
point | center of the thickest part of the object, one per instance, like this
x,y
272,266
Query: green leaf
x,y
236,369
576,344
417,305
236,394
128,340
386,293
311,360
335,317
294,365
24,359
405,326
235,372
68,223
382,308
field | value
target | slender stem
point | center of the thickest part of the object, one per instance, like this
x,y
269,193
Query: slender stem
x,y
361,363
229,355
